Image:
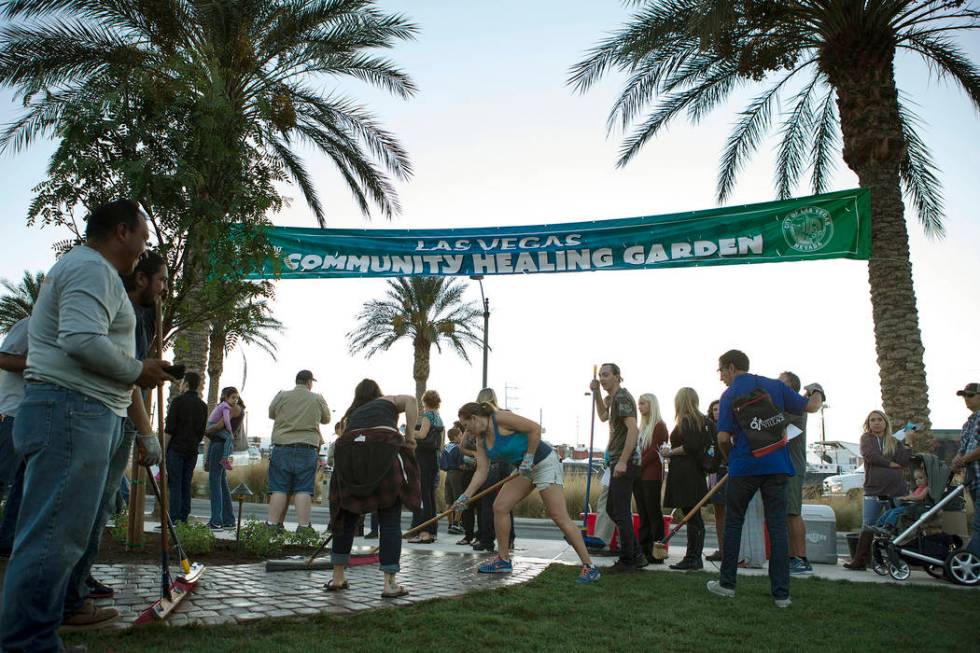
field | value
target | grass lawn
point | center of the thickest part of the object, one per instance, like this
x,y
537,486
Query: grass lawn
x,y
638,613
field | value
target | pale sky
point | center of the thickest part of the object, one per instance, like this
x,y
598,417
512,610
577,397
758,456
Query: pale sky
x,y
497,139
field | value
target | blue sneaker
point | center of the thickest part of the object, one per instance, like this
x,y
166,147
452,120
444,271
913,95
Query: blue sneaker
x,y
590,574
497,566
799,567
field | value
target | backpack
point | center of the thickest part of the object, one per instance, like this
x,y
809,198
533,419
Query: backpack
x,y
451,457
711,458
433,439
763,424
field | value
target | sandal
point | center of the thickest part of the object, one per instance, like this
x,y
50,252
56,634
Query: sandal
x,y
414,540
331,587
400,591
467,541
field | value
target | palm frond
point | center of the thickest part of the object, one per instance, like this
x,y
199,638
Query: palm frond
x,y
919,176
826,141
946,59
796,130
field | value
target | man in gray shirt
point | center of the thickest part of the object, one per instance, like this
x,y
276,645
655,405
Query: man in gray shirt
x,y
13,358
80,372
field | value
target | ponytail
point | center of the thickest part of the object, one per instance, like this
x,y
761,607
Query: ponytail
x,y
474,409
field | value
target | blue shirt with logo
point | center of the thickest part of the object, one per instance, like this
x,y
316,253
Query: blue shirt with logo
x,y
741,462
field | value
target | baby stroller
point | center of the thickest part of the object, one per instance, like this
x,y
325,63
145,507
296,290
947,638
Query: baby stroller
x,y
941,554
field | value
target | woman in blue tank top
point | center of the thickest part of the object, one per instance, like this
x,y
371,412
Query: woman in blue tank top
x,y
503,435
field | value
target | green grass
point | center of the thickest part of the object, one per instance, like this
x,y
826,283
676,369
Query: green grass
x,y
643,612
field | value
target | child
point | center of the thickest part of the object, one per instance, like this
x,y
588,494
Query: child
x,y
222,414
888,522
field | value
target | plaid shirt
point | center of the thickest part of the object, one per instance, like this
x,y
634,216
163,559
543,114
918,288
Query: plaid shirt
x,y
969,441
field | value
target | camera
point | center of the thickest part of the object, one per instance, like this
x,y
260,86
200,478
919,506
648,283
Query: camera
x,y
176,371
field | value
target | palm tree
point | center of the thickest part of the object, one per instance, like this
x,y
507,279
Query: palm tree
x,y
243,81
20,302
836,59
429,310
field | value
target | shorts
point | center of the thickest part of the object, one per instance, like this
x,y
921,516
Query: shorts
x,y
548,472
794,495
292,470
721,496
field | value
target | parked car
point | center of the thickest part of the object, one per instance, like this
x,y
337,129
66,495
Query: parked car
x,y
843,484
578,466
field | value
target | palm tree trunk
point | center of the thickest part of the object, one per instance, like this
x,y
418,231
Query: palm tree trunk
x,y
216,364
421,369
874,148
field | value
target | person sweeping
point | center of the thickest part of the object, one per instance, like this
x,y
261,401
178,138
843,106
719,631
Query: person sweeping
x,y
374,469
503,435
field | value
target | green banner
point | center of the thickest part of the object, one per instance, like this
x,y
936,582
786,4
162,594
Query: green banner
x,y
833,225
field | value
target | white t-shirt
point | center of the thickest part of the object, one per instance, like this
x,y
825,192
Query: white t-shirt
x,y
11,384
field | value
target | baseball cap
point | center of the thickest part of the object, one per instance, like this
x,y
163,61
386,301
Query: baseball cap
x,y
970,389
304,375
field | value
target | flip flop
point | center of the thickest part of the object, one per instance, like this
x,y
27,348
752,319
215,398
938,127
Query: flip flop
x,y
331,587
401,591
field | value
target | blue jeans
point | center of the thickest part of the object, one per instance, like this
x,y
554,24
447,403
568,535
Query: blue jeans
x,y
974,544
871,510
77,589
222,512
389,538
180,472
741,489
8,459
11,510
67,440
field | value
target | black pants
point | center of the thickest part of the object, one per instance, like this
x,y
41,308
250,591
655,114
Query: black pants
x,y
619,508
429,479
741,489
647,495
695,535
488,534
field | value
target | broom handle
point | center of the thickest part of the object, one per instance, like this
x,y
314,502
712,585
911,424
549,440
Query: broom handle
x,y
161,491
493,488
696,508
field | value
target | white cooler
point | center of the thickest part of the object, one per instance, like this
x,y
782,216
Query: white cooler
x,y
821,533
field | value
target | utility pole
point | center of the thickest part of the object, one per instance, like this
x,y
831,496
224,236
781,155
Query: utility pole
x,y
486,324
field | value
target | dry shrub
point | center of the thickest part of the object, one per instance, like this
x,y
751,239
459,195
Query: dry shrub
x,y
256,477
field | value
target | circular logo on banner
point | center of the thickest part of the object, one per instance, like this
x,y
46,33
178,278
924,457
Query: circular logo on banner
x,y
808,229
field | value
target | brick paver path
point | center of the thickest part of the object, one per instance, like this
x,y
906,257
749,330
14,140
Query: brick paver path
x,y
244,593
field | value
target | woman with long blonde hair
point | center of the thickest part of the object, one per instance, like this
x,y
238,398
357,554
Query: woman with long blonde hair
x,y
685,479
884,460
646,489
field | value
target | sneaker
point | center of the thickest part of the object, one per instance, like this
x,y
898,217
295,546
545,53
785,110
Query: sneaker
x,y
455,530
97,590
799,567
714,557
590,574
480,546
688,564
306,530
640,562
621,567
215,527
89,618
782,603
497,566
226,463
715,588
373,535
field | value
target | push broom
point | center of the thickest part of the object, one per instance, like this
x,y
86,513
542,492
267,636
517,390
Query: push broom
x,y
660,548
172,591
311,563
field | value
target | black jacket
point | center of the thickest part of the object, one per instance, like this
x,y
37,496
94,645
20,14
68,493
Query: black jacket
x,y
686,484
186,421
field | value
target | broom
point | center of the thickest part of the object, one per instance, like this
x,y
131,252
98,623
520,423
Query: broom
x,y
479,495
660,548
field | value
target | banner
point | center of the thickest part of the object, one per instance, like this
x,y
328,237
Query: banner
x,y
833,225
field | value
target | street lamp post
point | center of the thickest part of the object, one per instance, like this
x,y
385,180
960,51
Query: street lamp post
x,y
486,323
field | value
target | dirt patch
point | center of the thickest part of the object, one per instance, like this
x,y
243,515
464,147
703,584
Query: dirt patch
x,y
224,552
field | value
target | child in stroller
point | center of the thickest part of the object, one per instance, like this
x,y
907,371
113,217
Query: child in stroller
x,y
909,506
921,543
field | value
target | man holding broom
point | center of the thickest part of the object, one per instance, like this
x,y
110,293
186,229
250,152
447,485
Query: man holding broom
x,y
80,374
757,463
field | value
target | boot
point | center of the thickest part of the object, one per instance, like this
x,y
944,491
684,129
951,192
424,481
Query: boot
x,y
860,560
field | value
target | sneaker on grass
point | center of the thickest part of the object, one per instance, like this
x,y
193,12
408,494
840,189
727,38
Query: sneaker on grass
x,y
590,574
497,566
715,588
782,603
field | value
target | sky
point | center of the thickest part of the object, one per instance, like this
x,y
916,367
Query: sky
x,y
497,138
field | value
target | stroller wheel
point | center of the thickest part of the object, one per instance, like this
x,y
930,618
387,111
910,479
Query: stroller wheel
x,y
936,571
878,554
963,567
900,571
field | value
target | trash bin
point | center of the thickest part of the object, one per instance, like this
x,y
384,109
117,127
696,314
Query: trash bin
x,y
821,533
614,544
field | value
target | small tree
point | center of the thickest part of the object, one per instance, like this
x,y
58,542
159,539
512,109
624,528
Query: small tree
x,y
19,304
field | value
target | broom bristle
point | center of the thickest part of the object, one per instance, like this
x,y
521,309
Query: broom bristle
x,y
660,551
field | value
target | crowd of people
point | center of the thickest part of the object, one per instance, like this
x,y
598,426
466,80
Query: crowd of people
x,y
72,407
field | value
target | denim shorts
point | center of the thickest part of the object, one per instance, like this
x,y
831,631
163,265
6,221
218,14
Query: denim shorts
x,y
548,472
292,470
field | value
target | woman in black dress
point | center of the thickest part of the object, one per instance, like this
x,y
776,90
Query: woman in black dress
x,y
685,476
